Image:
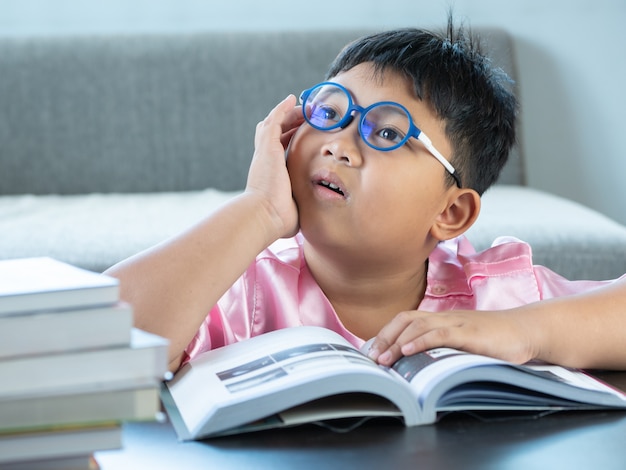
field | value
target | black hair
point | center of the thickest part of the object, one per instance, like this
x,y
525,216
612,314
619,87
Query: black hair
x,y
450,74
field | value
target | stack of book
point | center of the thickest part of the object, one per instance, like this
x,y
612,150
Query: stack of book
x,y
73,368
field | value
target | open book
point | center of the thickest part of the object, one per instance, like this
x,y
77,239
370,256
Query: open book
x,y
310,374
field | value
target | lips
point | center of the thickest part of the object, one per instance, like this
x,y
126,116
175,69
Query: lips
x,y
332,184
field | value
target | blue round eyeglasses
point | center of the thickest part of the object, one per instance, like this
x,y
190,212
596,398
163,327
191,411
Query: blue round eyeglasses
x,y
383,126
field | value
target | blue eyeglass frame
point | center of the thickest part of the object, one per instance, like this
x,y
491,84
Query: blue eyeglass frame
x,y
345,121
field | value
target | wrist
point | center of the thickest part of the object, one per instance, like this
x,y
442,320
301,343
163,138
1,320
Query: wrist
x,y
267,219
535,321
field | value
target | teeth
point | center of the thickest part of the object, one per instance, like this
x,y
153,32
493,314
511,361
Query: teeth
x,y
330,185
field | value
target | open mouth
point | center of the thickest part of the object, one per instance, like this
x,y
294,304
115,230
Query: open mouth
x,y
331,186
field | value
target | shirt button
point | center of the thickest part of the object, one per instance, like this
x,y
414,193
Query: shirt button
x,y
439,289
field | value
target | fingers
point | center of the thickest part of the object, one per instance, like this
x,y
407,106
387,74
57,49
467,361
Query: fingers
x,y
385,348
272,135
281,121
412,332
292,121
434,338
268,177
286,137
499,334
270,126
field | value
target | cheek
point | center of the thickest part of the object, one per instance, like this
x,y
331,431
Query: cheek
x,y
404,200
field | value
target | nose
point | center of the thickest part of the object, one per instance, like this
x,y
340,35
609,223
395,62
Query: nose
x,y
343,146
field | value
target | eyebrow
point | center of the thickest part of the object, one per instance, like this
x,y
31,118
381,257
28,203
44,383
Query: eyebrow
x,y
329,91
397,110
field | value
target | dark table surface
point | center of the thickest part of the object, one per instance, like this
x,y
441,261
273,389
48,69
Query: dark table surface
x,y
562,440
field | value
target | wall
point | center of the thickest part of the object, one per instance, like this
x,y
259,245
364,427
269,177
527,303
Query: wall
x,y
573,65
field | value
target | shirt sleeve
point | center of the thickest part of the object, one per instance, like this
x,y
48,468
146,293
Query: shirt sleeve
x,y
229,321
552,285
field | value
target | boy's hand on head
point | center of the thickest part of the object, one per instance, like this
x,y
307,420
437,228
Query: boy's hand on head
x,y
499,334
268,177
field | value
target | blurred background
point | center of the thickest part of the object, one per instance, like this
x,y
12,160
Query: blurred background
x,y
570,53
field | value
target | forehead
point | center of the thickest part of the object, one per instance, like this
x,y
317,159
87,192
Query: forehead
x,y
368,85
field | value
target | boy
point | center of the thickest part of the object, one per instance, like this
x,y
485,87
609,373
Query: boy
x,y
346,233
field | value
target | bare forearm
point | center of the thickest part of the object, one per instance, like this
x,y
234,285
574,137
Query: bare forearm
x,y
173,285
586,331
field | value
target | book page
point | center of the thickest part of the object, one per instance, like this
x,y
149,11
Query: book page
x,y
449,379
270,373
300,360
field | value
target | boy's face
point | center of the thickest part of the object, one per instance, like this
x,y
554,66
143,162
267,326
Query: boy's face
x,y
353,197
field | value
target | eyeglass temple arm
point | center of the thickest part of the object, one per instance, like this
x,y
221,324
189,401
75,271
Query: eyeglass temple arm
x,y
431,148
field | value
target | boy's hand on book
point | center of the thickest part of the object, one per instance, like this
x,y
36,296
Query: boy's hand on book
x,y
491,333
268,176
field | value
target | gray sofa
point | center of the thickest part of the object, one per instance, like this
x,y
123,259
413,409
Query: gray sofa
x,y
110,144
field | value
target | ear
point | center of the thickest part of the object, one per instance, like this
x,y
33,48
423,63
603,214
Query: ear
x,y
458,216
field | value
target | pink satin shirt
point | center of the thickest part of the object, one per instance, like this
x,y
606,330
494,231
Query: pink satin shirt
x,y
278,291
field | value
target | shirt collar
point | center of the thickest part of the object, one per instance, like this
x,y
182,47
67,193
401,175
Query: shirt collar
x,y
453,264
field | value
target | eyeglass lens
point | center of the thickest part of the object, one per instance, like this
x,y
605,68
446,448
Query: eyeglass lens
x,y
382,125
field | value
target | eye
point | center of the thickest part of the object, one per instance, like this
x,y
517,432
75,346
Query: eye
x,y
382,137
324,115
391,135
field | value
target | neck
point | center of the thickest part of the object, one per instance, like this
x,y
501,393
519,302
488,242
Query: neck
x,y
367,297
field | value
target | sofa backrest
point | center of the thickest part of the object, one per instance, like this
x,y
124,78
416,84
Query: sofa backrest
x,y
152,113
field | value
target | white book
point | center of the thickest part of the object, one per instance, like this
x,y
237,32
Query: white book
x,y
31,284
75,462
74,409
310,374
61,443
65,330
138,364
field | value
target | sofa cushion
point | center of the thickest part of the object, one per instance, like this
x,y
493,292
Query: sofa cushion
x,y
97,230
571,239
